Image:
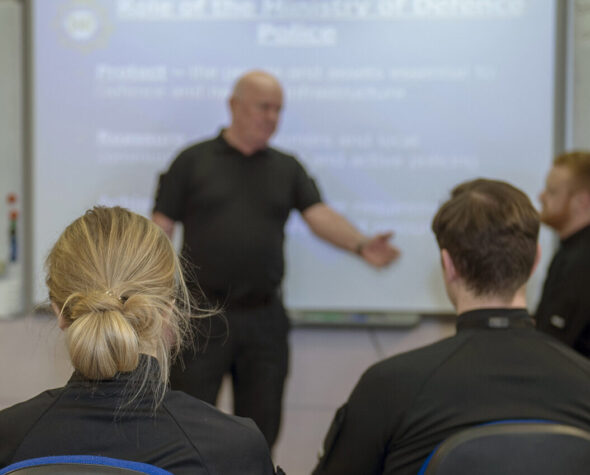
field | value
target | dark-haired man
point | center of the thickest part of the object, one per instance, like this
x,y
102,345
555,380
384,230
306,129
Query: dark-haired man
x,y
564,309
233,195
496,367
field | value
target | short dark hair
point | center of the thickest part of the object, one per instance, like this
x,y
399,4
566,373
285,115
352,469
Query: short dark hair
x,y
490,229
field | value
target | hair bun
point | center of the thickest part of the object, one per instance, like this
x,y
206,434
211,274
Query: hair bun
x,y
117,281
95,302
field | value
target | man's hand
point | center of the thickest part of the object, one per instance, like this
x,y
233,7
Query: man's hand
x,y
378,251
336,229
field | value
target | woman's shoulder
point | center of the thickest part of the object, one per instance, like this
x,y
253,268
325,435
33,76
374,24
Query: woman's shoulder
x,y
30,409
195,412
222,440
18,420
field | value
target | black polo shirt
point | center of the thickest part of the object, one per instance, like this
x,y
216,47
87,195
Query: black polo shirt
x,y
234,208
496,367
564,309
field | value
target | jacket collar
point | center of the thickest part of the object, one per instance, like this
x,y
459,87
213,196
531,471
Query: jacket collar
x,y
495,319
579,236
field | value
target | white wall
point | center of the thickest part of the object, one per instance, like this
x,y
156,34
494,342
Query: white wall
x,y
11,159
580,97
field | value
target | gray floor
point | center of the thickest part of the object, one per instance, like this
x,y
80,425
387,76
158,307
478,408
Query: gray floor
x,y
325,365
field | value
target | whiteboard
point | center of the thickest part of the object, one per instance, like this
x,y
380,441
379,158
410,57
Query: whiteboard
x,y
389,104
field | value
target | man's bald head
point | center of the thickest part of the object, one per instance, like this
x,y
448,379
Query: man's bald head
x,y
255,104
254,80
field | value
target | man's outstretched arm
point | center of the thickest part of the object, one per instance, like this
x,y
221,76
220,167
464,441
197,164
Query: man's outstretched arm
x,y
334,228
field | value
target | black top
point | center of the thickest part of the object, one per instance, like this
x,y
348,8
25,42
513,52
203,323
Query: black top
x,y
184,435
497,366
564,309
234,208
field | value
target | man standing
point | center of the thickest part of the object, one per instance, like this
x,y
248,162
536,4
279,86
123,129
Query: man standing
x,y
496,367
233,195
564,309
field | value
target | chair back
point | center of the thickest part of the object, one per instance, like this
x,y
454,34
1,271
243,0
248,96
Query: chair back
x,y
512,448
80,465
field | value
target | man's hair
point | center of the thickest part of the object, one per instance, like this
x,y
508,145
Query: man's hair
x,y
490,229
578,162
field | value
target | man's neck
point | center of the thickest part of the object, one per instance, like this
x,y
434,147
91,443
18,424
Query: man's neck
x,y
573,227
468,302
239,143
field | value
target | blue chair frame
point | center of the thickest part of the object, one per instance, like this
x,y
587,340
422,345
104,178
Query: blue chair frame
x,y
519,431
107,463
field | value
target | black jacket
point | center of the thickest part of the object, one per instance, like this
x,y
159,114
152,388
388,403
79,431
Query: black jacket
x,y
183,435
564,309
496,367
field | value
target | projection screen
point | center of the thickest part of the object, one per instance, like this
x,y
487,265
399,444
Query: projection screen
x,y
389,104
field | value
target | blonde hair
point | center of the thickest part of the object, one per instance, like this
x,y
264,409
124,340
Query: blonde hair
x,y
118,285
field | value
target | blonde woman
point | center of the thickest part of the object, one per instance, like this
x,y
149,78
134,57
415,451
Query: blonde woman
x,y
117,289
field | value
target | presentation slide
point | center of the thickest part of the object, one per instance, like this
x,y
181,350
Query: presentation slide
x,y
388,104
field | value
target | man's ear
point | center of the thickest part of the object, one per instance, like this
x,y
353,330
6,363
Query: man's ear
x,y
61,321
583,199
449,269
232,103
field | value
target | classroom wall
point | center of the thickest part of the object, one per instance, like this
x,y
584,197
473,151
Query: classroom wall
x,y
325,362
12,209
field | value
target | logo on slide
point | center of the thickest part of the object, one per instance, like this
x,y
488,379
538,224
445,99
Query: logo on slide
x,y
84,24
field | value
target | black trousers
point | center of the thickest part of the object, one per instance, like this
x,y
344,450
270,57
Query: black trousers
x,y
251,344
